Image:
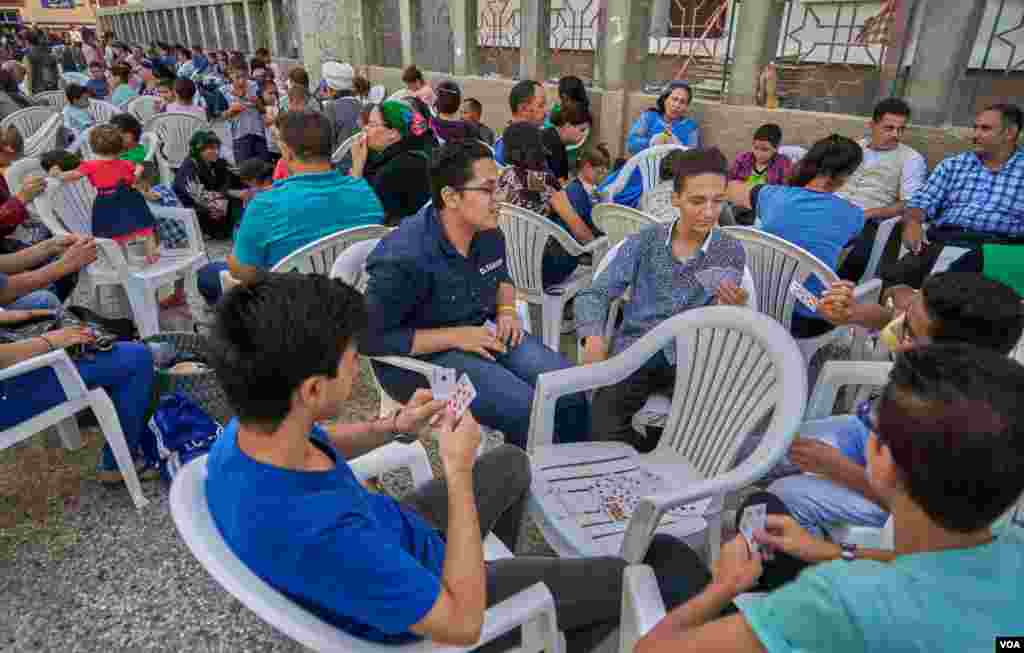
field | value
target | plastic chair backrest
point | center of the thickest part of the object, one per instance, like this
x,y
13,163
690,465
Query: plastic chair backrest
x,y
45,138
75,78
793,152
84,146
376,95
319,256
729,375
526,235
152,143
350,266
343,149
55,99
775,264
103,111
143,107
175,130
28,121
20,169
617,221
648,162
72,202
191,513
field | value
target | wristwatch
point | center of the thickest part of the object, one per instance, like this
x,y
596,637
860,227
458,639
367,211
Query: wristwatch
x,y
848,552
404,438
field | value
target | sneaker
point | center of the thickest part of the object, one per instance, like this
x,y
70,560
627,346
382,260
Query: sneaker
x,y
112,476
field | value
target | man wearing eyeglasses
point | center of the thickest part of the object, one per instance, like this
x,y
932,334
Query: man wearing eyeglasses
x,y
945,451
951,307
439,289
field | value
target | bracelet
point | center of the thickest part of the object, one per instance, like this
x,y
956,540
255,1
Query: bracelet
x,y
48,343
507,309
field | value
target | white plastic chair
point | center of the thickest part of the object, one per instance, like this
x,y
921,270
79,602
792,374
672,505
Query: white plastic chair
x,y
657,202
82,145
618,221
735,366
143,107
648,162
103,111
343,149
75,78
532,608
174,131
67,207
319,256
376,95
78,398
885,229
526,235
28,121
793,152
776,263
55,99
45,138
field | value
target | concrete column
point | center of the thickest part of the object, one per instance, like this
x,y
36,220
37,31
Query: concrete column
x,y
620,64
463,15
406,20
757,27
944,43
534,39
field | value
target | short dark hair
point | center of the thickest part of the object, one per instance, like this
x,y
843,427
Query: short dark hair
x,y
126,122
449,96
74,92
953,420
833,156
474,105
12,139
571,113
256,169
307,134
411,74
272,336
360,85
970,308
524,146
699,162
185,89
106,140
299,77
892,105
451,166
121,71
770,133
1010,113
521,94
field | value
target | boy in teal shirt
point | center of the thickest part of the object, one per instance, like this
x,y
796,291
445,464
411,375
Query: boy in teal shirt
x,y
945,454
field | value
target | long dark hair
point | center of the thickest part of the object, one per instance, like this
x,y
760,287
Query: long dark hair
x,y
835,156
660,104
572,88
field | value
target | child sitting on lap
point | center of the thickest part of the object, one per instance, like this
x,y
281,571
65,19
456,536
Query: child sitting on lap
x,y
120,212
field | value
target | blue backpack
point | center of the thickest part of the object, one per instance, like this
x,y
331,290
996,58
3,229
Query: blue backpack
x,y
183,431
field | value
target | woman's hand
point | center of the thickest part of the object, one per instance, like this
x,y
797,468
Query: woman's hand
x,y
360,151
478,340
69,336
510,328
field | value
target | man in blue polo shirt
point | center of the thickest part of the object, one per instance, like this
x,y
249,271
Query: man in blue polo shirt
x,y
436,282
315,201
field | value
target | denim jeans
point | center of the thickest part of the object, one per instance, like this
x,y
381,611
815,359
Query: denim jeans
x,y
208,280
816,502
39,299
504,389
125,372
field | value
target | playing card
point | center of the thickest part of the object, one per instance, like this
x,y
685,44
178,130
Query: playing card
x,y
712,278
754,519
465,393
442,383
803,295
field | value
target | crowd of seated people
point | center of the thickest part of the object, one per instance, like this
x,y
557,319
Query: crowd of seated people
x,y
439,288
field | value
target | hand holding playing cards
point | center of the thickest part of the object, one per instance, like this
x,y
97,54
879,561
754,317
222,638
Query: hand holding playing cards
x,y
458,441
509,329
814,456
478,340
418,413
729,294
737,569
783,534
837,302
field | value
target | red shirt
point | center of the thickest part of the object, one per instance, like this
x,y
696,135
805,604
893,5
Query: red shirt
x,y
104,174
280,170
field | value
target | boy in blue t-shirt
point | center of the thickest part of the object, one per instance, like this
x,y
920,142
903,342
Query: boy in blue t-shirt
x,y
97,84
592,168
945,454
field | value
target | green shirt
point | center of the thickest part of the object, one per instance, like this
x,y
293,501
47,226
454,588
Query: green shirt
x,y
136,155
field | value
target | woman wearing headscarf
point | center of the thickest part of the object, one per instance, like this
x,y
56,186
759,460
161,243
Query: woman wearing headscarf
x,y
393,155
527,183
664,124
204,182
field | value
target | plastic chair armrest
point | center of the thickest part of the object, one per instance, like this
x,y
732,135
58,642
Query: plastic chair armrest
x,y
407,363
836,374
533,605
642,605
67,374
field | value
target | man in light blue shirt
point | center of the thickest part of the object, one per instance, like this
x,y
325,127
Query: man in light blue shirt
x,y
945,454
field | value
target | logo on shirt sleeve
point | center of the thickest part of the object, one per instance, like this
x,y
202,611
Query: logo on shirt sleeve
x,y
491,267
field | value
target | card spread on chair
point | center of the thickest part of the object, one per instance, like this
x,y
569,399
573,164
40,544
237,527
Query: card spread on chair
x,y
805,296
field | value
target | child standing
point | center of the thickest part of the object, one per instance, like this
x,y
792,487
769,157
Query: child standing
x,y
245,118
120,212
76,112
593,166
98,85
